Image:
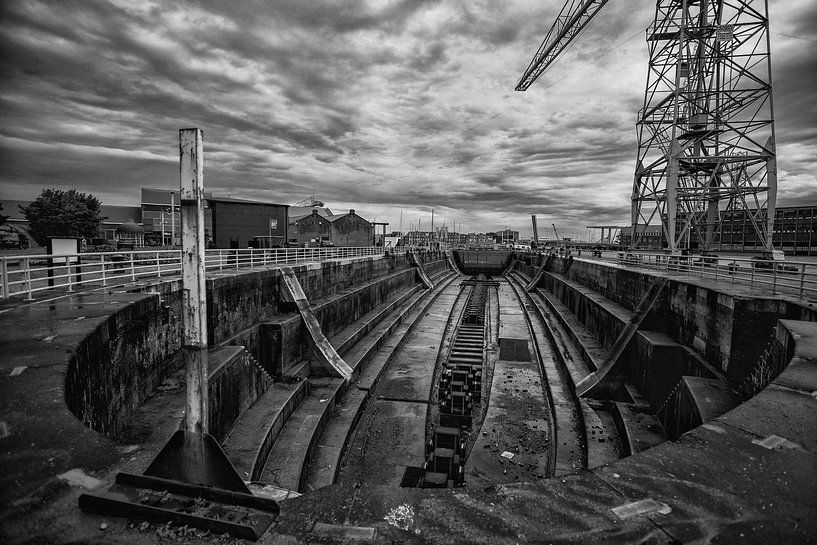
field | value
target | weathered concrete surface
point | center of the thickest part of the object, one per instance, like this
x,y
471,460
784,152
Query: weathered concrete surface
x,y
401,417
517,420
421,272
44,437
327,360
720,485
728,323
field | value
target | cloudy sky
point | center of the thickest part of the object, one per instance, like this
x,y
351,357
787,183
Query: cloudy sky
x,y
385,106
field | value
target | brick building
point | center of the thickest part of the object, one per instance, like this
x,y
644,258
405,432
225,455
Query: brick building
x,y
339,230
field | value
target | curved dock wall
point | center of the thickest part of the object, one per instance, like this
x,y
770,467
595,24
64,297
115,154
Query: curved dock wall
x,y
730,332
121,363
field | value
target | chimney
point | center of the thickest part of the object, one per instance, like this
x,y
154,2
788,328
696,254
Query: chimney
x,y
314,212
352,211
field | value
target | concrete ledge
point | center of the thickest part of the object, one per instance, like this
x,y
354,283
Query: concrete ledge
x,y
236,381
249,443
656,364
283,337
638,429
695,401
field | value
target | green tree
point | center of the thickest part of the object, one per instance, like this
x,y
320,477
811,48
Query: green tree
x,y
63,213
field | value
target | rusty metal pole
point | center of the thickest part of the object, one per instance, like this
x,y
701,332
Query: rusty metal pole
x,y
194,300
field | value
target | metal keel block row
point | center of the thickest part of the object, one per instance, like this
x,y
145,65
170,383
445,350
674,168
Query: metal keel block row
x,y
459,388
445,457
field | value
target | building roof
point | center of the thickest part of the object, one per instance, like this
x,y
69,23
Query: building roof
x,y
300,212
243,201
336,217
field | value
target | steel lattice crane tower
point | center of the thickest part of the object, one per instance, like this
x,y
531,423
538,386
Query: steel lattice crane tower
x,y
706,128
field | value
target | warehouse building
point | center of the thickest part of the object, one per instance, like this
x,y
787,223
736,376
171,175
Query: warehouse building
x,y
238,223
348,230
795,232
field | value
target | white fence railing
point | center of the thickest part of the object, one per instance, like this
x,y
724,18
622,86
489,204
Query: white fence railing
x,y
29,274
790,277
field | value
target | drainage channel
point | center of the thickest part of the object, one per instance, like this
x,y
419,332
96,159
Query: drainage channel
x,y
459,389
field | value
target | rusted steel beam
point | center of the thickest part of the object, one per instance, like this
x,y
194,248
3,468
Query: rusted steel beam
x,y
194,300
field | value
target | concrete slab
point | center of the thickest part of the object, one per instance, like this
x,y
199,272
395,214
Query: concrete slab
x,y
795,417
517,418
516,422
411,372
718,483
390,436
44,438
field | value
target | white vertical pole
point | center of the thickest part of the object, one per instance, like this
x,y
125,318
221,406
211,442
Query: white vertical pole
x,y
194,300
172,219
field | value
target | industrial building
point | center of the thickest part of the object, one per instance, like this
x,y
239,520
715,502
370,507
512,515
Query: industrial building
x,y
240,223
299,212
795,232
337,230
228,222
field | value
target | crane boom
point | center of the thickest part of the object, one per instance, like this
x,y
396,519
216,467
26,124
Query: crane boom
x,y
558,240
572,19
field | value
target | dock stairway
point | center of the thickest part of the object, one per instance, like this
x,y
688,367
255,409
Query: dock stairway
x,y
293,437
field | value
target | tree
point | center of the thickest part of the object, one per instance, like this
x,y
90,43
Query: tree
x,y
63,213
3,219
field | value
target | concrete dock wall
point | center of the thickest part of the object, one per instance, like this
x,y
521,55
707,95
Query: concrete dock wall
x,y
729,331
236,381
121,363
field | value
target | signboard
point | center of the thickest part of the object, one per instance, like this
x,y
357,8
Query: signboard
x,y
273,223
61,248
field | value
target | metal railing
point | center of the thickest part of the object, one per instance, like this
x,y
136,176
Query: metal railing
x,y
790,277
29,274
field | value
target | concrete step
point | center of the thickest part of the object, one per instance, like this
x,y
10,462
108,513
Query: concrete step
x,y
285,464
591,350
622,313
334,320
252,437
637,427
251,441
349,336
325,463
602,435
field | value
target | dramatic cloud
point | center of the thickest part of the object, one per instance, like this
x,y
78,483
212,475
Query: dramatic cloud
x,y
385,106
